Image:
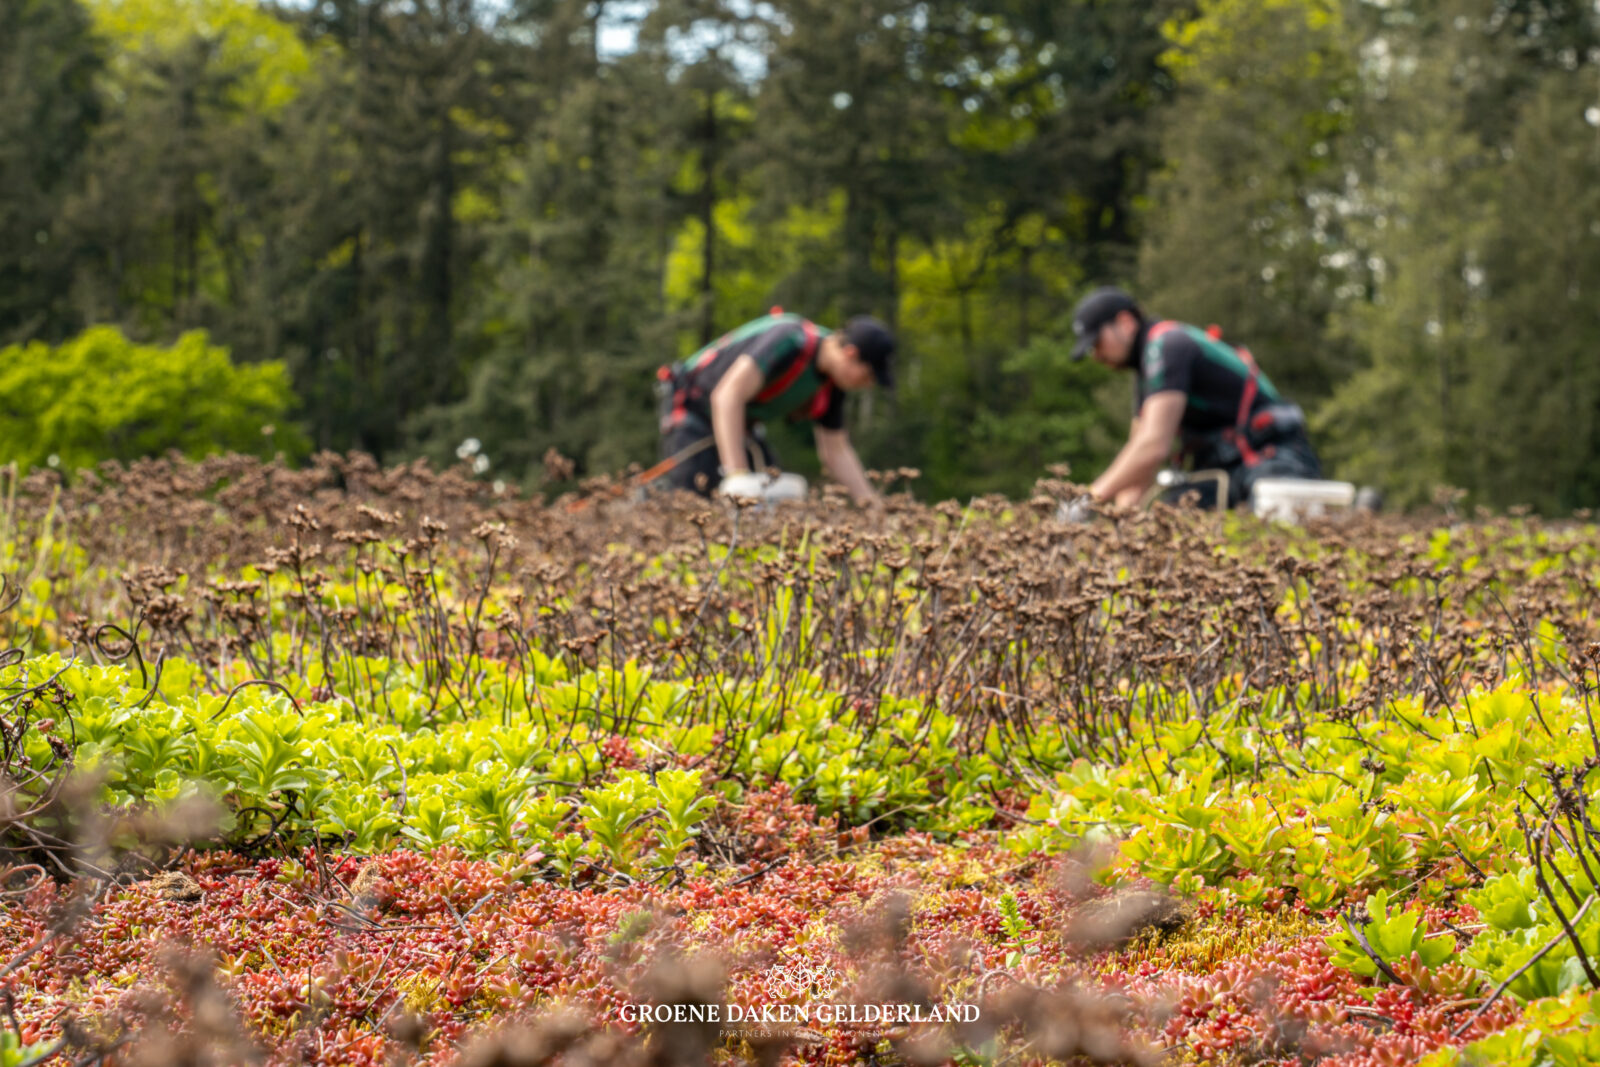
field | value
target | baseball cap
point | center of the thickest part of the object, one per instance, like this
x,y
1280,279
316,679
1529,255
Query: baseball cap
x,y
1094,311
876,345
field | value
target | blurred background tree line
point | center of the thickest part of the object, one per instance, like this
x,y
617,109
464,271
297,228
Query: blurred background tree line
x,y
410,222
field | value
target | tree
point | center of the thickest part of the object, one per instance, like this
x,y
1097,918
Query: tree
x,y
1247,222
702,49
178,220
182,148
265,59
1539,384
49,106
1075,413
572,320
1404,421
1048,118
849,107
395,154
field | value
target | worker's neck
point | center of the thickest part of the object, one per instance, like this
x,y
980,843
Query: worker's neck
x,y
1136,350
828,357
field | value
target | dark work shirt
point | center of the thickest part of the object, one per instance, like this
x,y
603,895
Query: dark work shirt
x,y
775,343
1209,373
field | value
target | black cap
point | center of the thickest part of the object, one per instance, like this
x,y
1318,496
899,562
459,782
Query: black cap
x,y
876,345
1094,311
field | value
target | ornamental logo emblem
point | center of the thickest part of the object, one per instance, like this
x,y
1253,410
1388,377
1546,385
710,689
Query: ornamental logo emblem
x,y
802,979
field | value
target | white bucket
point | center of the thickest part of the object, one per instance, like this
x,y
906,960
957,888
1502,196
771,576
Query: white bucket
x,y
1296,499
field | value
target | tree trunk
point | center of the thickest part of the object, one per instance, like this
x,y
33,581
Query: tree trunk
x,y
708,219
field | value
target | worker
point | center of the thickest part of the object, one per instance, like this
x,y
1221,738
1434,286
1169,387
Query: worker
x,y
778,366
1196,391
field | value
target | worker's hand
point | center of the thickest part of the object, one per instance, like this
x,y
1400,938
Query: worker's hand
x,y
745,484
1076,511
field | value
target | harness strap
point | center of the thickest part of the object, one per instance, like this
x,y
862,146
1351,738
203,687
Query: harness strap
x,y
1239,432
797,368
820,402
1247,400
680,396
676,458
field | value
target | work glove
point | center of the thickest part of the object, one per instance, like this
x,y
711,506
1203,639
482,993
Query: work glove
x,y
745,484
1076,511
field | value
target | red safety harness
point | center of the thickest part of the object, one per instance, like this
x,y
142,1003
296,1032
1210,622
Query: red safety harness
x,y
1238,433
798,367
773,389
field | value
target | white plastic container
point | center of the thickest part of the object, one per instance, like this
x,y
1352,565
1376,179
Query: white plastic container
x,y
1297,499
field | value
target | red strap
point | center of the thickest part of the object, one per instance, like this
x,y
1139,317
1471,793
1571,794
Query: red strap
x,y
1247,400
1251,456
819,403
680,399
1247,397
1238,433
797,368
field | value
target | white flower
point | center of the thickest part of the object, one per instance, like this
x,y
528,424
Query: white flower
x,y
468,448
480,464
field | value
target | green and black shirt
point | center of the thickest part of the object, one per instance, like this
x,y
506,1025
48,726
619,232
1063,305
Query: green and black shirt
x,y
784,347
1211,374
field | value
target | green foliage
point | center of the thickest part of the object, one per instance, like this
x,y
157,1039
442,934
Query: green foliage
x,y
101,396
486,779
1244,228
458,218
683,807
615,817
1476,314
49,105
571,325
15,1053
1329,822
1393,937
1520,923
1541,266
1019,931
267,63
1426,330
1559,1032
1060,416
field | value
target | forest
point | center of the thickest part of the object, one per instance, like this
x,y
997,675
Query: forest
x,y
353,712
392,226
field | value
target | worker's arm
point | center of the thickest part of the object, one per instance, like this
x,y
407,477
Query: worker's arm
x,y
728,400
1149,443
840,460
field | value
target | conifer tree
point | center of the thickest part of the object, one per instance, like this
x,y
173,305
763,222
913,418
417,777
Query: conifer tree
x,y
49,107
